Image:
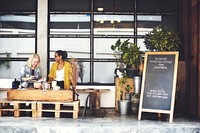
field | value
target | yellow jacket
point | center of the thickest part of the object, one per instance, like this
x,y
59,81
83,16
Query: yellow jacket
x,y
67,73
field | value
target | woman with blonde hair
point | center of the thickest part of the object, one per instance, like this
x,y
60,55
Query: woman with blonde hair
x,y
31,71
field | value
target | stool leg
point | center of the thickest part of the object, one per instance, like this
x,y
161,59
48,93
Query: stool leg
x,y
85,108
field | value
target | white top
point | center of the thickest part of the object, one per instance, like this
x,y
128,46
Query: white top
x,y
60,75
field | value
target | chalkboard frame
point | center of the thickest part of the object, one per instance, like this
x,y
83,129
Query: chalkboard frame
x,y
169,111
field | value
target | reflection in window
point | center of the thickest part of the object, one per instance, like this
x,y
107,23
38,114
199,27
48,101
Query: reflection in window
x,y
11,70
102,47
69,24
147,22
76,47
17,24
113,24
104,72
114,5
17,47
140,44
83,72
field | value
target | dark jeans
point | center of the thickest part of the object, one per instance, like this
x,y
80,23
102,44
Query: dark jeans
x,y
61,84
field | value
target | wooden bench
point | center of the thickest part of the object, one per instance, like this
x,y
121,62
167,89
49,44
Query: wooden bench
x,y
61,100
58,107
17,106
37,108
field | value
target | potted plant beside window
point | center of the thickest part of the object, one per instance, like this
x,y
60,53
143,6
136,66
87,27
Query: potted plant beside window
x,y
128,53
162,40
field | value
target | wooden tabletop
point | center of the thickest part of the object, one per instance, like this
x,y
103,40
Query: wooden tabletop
x,y
88,90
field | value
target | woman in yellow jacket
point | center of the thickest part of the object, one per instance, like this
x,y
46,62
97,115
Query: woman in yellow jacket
x,y
61,70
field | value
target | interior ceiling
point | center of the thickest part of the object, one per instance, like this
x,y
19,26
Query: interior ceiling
x,y
67,5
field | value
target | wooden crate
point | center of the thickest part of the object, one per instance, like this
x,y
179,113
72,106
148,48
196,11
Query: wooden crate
x,y
16,107
40,95
57,108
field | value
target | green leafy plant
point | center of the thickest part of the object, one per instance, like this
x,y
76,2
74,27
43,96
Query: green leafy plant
x,y
162,40
123,80
5,63
128,88
127,52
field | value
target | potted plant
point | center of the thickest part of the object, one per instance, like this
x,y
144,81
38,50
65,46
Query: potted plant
x,y
127,87
126,91
162,40
128,53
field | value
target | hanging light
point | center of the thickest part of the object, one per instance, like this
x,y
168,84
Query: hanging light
x,y
100,9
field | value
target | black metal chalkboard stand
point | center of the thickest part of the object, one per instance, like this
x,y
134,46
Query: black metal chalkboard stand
x,y
159,83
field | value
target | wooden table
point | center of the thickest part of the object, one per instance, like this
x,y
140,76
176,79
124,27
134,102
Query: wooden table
x,y
94,98
40,95
59,99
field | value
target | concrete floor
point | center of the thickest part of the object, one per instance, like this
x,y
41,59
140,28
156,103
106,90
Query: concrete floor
x,y
112,122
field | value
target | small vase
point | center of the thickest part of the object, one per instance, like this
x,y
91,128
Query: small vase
x,y
128,96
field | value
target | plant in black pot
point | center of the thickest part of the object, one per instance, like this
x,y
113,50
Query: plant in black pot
x,y
128,53
161,39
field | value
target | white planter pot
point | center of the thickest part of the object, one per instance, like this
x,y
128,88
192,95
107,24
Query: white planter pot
x,y
137,84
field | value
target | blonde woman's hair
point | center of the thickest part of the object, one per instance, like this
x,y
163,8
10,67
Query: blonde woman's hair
x,y
33,56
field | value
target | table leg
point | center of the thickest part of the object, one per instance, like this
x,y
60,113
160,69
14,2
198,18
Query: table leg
x,y
85,108
98,98
91,102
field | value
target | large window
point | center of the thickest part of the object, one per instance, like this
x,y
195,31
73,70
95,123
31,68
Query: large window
x,y
17,35
87,33
80,28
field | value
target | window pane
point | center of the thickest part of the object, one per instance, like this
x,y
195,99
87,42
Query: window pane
x,y
104,72
69,5
84,71
18,6
147,22
113,24
140,43
69,24
102,47
158,6
114,5
171,22
17,47
17,24
76,47
11,70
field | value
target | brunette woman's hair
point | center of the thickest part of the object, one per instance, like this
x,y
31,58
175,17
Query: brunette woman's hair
x,y
62,53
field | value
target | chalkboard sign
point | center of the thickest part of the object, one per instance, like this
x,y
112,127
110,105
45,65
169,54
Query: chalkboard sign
x,y
159,82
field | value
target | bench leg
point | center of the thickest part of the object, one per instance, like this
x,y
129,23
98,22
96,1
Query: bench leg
x,y
57,109
16,109
39,110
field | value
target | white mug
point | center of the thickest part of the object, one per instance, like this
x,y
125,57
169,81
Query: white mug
x,y
54,83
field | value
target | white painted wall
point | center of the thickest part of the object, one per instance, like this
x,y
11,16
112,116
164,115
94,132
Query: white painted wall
x,y
107,98
5,84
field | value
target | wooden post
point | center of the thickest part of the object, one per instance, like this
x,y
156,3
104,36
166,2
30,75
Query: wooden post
x,y
57,110
16,108
33,108
39,109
